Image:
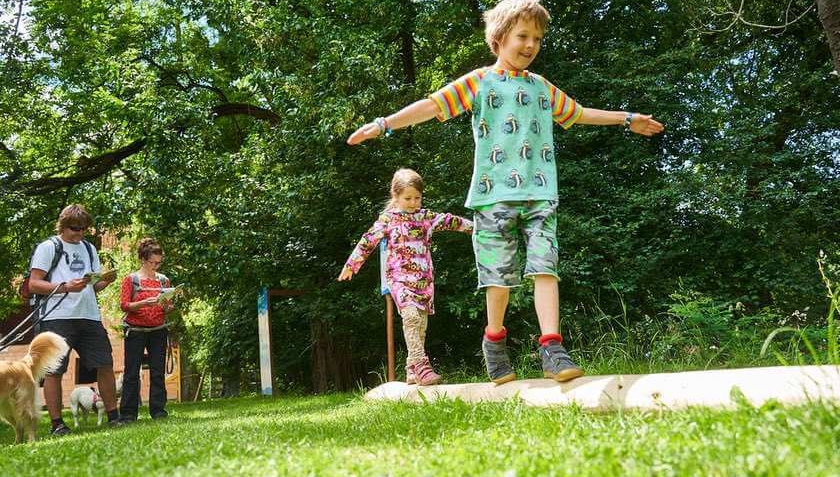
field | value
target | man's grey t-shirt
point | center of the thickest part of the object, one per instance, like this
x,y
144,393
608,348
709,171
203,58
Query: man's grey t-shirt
x,y
73,263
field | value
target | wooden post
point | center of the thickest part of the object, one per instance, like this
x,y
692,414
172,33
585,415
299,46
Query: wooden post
x,y
389,331
389,308
264,330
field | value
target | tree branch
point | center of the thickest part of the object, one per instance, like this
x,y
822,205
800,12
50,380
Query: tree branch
x,y
98,166
236,109
172,78
19,15
738,17
92,168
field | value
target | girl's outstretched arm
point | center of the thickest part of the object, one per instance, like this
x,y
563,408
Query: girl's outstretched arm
x,y
451,222
367,244
415,113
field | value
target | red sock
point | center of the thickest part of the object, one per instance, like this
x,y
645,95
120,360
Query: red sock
x,y
544,339
494,337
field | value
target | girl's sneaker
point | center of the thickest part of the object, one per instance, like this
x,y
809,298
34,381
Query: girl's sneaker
x,y
424,375
410,377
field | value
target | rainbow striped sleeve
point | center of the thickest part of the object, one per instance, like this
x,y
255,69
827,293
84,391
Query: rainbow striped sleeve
x,y
457,97
565,110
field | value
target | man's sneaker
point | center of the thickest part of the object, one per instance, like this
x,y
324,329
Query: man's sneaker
x,y
410,377
497,361
557,364
117,423
160,415
424,375
60,430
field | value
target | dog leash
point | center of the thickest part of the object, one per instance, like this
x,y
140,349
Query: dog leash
x,y
170,357
5,342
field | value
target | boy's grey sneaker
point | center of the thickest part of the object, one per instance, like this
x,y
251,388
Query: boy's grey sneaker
x,y
557,364
497,361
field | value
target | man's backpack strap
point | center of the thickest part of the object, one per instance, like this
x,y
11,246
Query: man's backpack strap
x,y
59,251
58,245
89,248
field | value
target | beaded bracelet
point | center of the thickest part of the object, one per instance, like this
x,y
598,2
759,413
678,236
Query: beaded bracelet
x,y
384,127
627,120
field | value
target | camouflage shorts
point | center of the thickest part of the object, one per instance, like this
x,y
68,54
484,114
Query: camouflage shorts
x,y
500,227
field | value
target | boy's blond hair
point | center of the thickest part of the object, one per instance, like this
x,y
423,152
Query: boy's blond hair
x,y
501,19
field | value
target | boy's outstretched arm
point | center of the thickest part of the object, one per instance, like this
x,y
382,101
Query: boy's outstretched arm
x,y
414,113
643,124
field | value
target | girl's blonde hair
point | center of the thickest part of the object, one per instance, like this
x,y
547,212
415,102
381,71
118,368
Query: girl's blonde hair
x,y
500,19
402,179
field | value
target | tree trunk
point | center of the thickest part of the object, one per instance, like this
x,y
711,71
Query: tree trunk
x,y
230,386
475,8
407,41
829,11
332,367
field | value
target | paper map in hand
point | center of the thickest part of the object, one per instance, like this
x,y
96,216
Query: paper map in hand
x,y
168,293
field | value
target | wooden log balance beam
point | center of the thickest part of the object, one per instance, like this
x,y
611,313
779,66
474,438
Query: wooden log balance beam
x,y
713,388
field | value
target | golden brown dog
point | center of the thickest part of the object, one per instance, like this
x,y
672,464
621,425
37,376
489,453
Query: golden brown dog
x,y
18,383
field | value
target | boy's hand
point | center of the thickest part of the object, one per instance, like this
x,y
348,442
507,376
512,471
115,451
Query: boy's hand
x,y
346,274
368,131
645,125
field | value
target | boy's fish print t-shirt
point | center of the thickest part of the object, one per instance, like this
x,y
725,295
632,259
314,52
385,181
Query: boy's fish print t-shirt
x,y
408,264
513,117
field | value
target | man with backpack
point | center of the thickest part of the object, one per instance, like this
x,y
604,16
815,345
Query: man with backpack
x,y
61,264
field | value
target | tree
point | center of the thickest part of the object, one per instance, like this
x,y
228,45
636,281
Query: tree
x,y
830,17
219,127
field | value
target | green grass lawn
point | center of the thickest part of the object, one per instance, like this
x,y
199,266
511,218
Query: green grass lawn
x,y
341,434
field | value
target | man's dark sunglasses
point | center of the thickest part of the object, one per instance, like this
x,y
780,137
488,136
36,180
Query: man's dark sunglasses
x,y
76,229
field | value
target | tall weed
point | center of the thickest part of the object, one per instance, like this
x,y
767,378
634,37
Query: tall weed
x,y
806,335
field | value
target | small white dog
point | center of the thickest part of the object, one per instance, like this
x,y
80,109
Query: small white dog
x,y
83,400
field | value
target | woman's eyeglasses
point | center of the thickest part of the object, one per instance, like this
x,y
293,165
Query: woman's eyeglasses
x,y
154,262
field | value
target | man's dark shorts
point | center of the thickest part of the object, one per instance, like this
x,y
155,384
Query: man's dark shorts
x,y
87,337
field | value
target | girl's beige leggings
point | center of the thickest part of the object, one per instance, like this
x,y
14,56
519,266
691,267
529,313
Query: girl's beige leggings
x,y
414,328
